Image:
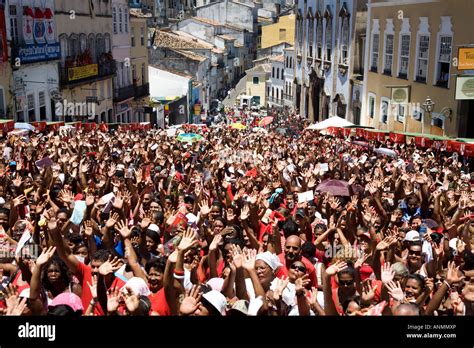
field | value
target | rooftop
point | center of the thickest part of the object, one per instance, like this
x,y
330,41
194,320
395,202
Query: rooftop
x,y
171,71
191,55
261,68
195,39
140,13
279,58
207,21
226,37
176,41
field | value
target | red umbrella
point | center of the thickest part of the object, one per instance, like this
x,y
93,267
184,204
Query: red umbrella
x,y
334,187
265,121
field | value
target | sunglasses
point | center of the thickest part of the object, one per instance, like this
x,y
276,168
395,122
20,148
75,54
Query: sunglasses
x,y
346,282
298,268
417,253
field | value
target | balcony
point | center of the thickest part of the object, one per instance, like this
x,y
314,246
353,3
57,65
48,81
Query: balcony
x,y
287,97
124,93
275,100
73,76
142,91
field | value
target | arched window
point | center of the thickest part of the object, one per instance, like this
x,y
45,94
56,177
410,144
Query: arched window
x,y
83,42
107,42
91,47
100,49
74,46
64,49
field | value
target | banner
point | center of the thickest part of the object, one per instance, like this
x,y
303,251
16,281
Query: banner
x,y
397,138
82,72
466,58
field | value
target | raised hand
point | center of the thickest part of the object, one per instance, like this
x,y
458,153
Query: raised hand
x,y
132,301
249,259
20,200
45,256
301,283
93,287
280,286
18,180
395,290
110,266
360,261
387,274
112,220
204,208
188,241
237,256
88,228
245,213
113,300
191,302
452,275
215,242
123,229
118,202
368,291
336,267
66,196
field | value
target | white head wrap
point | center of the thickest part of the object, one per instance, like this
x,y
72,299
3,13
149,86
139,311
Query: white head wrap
x,y
270,259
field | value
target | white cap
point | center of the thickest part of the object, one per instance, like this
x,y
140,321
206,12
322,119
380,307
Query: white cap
x,y
412,236
25,293
154,227
217,300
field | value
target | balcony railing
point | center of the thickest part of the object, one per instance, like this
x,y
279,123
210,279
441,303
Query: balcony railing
x,y
70,76
275,100
287,96
124,93
142,91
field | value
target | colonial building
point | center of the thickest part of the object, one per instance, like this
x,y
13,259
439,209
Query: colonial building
x,y
121,45
6,102
281,31
87,66
34,54
276,87
412,46
256,83
289,75
326,64
140,44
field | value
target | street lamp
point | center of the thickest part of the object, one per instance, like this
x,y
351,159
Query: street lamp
x,y
428,107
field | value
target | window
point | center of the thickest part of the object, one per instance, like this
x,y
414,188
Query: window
x,y
142,36
444,61
31,107
282,34
384,105
319,39
278,74
2,103
74,46
328,38
42,105
422,59
375,52
125,20
13,23
286,62
143,74
310,35
282,74
387,69
401,113
114,19
132,38
120,21
404,55
371,105
255,80
91,47
345,41
273,72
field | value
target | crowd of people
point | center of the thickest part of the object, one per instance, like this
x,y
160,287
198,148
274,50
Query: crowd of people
x,y
237,222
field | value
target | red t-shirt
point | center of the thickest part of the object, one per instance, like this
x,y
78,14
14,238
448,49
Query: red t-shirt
x,y
283,270
159,304
84,274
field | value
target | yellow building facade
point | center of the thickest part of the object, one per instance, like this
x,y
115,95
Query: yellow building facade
x,y
411,47
282,31
256,85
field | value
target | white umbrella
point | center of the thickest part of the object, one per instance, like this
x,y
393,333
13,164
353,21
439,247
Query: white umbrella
x,y
335,121
386,152
22,125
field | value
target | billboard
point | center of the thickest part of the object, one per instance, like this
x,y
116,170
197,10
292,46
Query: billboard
x,y
465,88
37,36
178,111
466,58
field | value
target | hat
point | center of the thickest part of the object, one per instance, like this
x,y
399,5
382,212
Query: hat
x,y
217,300
137,285
270,259
216,283
241,306
79,197
412,236
68,299
454,242
12,163
154,228
300,212
367,235
2,200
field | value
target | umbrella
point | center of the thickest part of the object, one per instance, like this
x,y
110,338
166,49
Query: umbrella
x,y
361,143
334,187
265,121
238,126
189,137
385,151
335,121
27,126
